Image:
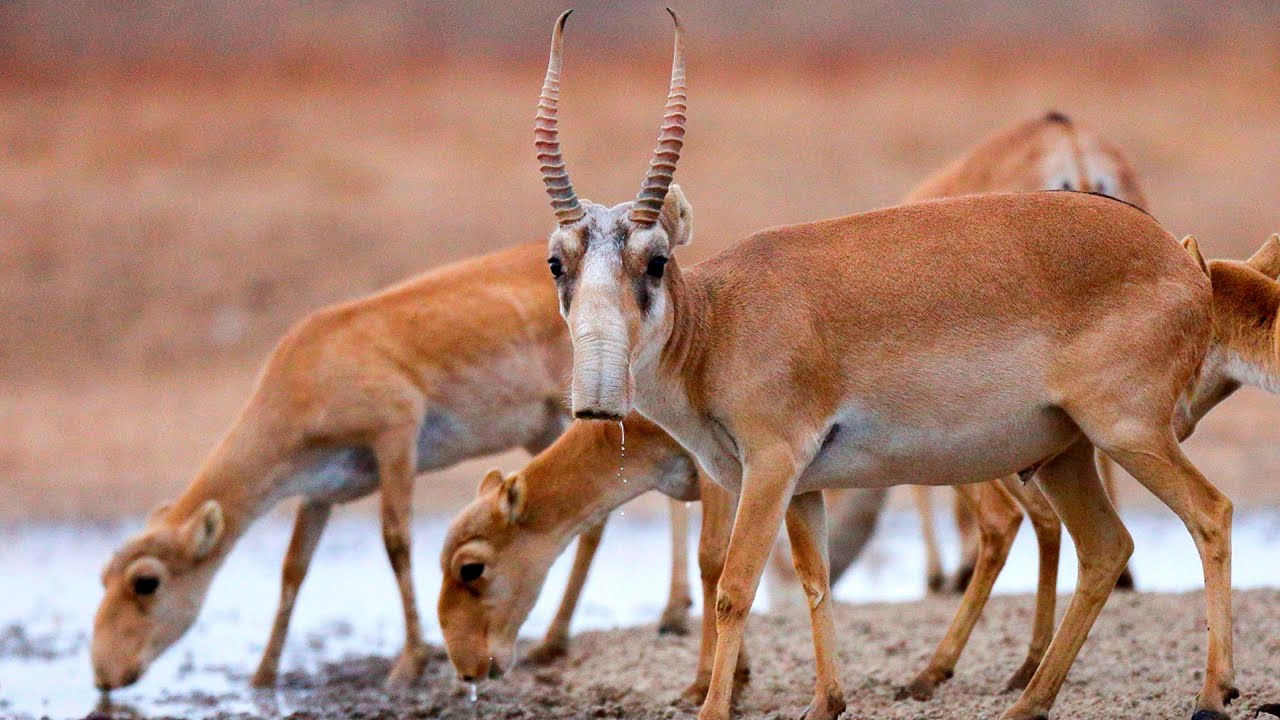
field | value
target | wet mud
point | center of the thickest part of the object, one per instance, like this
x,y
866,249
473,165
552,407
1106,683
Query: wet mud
x,y
1143,660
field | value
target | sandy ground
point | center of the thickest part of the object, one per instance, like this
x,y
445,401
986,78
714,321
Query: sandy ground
x,y
347,626
1131,668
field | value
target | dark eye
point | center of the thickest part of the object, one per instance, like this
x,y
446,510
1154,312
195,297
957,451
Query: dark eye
x,y
557,269
145,585
1101,187
471,572
657,266
1066,184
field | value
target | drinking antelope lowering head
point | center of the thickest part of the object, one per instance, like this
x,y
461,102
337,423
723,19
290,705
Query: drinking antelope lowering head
x,y
609,262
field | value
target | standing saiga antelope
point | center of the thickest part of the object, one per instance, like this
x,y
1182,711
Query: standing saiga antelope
x,y
836,354
465,361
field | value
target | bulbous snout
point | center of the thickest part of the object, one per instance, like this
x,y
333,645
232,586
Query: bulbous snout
x,y
117,651
489,669
601,387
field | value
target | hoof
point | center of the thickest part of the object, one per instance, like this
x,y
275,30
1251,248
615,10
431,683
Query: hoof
x,y
923,686
545,653
963,577
917,690
675,621
1269,708
1125,582
827,707
407,669
695,694
936,582
1010,714
1023,676
263,678
1210,715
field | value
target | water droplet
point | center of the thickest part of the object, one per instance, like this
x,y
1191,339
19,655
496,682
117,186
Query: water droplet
x,y
473,692
622,457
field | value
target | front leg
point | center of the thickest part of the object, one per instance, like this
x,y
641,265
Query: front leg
x,y
807,529
769,478
718,506
396,455
556,641
307,530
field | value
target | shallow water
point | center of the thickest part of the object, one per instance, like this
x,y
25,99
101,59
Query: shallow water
x,y
349,605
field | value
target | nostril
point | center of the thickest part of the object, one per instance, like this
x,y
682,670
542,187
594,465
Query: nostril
x,y
495,671
468,678
130,677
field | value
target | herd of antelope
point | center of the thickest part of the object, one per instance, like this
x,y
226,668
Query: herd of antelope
x,y
1017,321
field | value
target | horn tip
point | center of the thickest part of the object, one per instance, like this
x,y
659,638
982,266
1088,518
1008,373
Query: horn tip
x,y
564,16
674,16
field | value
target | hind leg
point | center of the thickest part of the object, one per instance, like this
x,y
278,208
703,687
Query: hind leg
x,y
997,517
1103,546
922,497
396,452
1107,470
1157,462
1048,529
967,527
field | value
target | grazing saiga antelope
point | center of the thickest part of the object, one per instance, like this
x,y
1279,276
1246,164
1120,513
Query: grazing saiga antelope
x,y
499,548
835,354
464,361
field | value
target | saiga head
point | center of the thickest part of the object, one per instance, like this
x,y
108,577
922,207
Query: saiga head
x,y
493,568
154,586
612,265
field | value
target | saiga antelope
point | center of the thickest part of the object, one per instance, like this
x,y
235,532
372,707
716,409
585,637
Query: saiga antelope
x,y
464,361
499,547
1049,152
834,354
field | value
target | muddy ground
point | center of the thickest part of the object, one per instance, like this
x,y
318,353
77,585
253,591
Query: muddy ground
x,y
1143,660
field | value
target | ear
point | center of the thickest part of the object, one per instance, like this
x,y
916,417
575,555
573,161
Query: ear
x,y
511,498
491,480
1193,247
201,533
677,217
1267,259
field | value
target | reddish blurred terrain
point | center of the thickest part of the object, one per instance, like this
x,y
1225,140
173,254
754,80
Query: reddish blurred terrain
x,y
178,187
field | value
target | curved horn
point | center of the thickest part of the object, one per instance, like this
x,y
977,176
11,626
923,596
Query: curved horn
x,y
662,168
546,135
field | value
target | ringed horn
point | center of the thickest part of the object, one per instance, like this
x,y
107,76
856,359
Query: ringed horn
x,y
648,203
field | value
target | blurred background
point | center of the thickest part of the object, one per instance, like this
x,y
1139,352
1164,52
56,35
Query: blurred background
x,y
181,182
